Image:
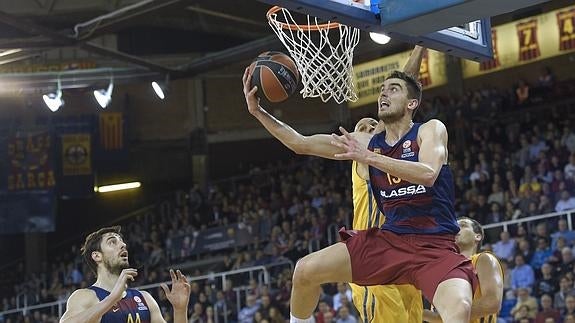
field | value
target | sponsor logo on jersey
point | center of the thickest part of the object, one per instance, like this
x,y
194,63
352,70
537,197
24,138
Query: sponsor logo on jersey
x,y
407,144
407,155
403,191
137,299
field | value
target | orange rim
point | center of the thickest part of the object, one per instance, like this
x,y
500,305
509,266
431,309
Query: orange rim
x,y
295,27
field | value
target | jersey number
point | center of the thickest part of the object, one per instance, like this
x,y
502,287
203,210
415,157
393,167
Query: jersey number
x,y
393,180
131,319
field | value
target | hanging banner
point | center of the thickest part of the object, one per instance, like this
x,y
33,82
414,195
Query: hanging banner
x,y
31,162
111,130
368,77
528,40
76,154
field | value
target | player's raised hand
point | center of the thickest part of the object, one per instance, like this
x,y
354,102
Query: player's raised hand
x,y
250,92
179,296
122,283
353,149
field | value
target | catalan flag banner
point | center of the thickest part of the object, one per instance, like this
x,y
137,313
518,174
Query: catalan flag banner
x,y
111,131
528,40
76,154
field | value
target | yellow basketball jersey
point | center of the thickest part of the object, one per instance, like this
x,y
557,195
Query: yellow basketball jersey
x,y
365,212
491,317
375,304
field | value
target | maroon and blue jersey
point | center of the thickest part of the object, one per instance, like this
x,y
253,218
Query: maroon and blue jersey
x,y
412,208
130,309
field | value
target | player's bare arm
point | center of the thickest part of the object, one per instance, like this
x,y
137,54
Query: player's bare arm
x,y
178,296
414,62
491,283
317,145
432,139
84,306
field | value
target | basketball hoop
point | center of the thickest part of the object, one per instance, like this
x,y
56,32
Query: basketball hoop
x,y
326,69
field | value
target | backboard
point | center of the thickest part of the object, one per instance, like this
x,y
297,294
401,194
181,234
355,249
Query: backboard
x,y
459,27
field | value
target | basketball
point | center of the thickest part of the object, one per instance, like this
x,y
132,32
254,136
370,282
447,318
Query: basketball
x,y
276,76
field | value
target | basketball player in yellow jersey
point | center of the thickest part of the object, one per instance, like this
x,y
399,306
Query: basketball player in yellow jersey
x,y
385,304
489,294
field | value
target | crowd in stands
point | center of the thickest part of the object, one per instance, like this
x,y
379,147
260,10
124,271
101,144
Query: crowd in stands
x,y
512,156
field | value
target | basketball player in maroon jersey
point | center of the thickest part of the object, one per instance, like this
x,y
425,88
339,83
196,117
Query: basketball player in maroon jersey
x,y
109,300
409,173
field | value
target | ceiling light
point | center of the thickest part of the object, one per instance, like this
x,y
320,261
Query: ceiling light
x,y
158,89
104,96
54,100
381,39
161,88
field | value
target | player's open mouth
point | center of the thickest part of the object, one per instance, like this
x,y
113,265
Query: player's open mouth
x,y
124,254
383,103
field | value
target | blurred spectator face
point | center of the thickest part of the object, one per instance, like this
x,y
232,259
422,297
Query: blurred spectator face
x,y
546,302
570,303
327,317
565,195
546,269
343,312
198,309
250,300
550,320
522,293
495,207
523,246
209,311
504,236
265,301
341,288
566,255
562,225
565,284
542,244
569,318
541,230
258,317
323,307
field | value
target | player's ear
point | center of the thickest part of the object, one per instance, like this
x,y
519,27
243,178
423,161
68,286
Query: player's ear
x,y
96,256
413,104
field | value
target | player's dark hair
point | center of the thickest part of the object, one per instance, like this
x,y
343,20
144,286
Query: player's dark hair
x,y
477,228
414,87
93,243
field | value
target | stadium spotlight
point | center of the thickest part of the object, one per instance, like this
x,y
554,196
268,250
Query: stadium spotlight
x,y
381,39
104,96
161,88
54,100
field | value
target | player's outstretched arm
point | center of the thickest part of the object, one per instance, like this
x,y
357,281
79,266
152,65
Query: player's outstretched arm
x,y
178,296
317,145
414,62
491,282
432,155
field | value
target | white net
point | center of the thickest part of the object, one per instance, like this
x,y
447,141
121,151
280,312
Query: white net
x,y
323,53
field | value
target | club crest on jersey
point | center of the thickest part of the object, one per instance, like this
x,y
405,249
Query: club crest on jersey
x,y
141,305
403,191
406,144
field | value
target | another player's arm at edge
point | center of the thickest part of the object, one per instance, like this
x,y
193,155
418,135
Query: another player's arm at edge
x,y
414,62
491,283
83,306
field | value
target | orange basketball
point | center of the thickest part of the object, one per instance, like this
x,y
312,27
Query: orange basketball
x,y
276,76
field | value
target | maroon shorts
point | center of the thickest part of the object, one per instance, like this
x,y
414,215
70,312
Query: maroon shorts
x,y
381,257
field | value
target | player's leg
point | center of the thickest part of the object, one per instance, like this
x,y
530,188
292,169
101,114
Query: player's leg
x,y
329,265
453,299
387,305
412,300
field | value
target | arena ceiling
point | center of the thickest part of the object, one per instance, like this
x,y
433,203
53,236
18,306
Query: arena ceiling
x,y
136,40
